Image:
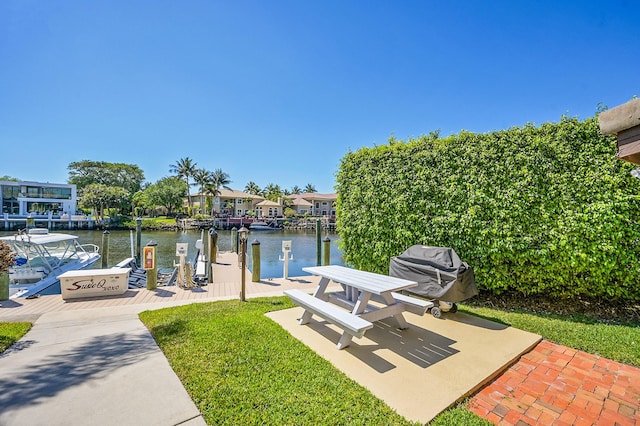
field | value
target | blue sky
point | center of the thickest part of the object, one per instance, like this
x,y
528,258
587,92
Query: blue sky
x,y
278,91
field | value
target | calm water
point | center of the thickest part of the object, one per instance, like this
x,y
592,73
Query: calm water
x,y
303,247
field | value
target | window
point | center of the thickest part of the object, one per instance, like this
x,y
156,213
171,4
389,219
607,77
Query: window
x,y
324,203
239,201
10,192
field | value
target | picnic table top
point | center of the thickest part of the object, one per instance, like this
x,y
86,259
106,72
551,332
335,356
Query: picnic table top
x,y
362,280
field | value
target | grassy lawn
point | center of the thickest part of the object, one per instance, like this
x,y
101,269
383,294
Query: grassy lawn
x,y
11,332
242,368
618,342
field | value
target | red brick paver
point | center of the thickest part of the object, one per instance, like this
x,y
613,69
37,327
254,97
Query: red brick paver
x,y
557,385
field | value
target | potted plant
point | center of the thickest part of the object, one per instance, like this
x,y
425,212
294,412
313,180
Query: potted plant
x,y
7,259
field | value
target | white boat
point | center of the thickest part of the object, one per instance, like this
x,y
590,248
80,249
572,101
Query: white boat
x,y
42,256
264,226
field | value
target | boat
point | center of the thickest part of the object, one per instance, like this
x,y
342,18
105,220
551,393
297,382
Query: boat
x,y
264,226
42,256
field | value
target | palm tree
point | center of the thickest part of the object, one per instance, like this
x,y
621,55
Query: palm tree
x,y
272,192
310,188
203,178
252,188
184,169
219,179
296,190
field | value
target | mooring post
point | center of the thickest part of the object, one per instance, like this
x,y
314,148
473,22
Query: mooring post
x,y
234,240
326,251
138,239
318,242
213,245
105,248
150,265
255,261
212,254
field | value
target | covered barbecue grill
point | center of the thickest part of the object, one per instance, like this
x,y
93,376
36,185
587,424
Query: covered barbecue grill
x,y
441,275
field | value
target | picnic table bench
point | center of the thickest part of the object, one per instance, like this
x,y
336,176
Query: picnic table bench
x,y
351,309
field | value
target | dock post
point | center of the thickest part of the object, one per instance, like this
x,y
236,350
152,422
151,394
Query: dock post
x,y
255,261
234,240
318,242
150,265
105,249
138,239
213,245
326,251
212,255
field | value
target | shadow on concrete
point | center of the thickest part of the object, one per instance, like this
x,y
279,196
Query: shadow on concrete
x,y
47,377
9,304
417,345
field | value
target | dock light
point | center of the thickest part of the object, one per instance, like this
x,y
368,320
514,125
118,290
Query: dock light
x,y
243,234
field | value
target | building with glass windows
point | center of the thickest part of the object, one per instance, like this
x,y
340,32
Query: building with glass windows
x,y
24,198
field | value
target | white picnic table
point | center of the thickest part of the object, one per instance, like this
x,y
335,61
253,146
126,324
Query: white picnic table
x,y
360,289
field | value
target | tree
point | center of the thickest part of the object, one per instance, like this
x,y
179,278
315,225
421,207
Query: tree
x,y
219,179
86,172
184,169
252,188
203,178
296,190
272,192
6,178
310,188
138,203
100,197
167,192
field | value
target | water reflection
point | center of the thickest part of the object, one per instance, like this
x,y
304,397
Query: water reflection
x,y
303,247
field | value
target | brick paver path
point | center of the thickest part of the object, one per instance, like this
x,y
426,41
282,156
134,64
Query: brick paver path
x,y
557,385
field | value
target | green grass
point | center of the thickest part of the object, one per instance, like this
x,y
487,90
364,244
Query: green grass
x,y
618,342
240,367
11,332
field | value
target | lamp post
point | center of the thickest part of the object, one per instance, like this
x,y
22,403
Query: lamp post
x,y
243,234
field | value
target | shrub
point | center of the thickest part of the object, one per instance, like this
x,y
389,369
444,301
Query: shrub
x,y
541,210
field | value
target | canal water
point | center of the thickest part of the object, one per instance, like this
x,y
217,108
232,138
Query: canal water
x,y
303,247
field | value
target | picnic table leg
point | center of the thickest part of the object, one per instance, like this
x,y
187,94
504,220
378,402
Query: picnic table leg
x,y
319,293
322,287
389,300
305,318
345,340
362,302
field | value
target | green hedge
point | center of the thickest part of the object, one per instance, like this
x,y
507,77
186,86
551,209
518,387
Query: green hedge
x,y
541,210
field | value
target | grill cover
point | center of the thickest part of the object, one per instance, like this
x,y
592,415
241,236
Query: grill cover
x,y
440,273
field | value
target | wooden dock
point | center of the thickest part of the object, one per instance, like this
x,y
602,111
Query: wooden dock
x,y
226,285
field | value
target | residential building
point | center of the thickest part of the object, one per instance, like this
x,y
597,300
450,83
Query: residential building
x,y
24,198
321,204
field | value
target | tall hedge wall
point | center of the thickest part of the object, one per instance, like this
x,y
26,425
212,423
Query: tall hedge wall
x,y
545,209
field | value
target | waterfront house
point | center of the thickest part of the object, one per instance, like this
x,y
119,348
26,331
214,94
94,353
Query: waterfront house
x,y
301,206
23,198
268,208
228,202
321,204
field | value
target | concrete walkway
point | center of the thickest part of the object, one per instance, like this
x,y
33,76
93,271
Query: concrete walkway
x,y
98,366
